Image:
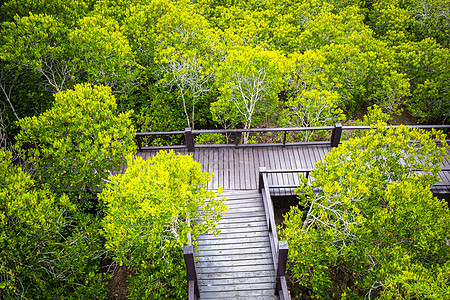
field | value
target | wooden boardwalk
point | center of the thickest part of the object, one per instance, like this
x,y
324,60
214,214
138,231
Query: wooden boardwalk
x,y
246,260
237,263
237,168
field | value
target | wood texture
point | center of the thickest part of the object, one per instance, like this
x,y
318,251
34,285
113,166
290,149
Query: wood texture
x,y
237,168
237,263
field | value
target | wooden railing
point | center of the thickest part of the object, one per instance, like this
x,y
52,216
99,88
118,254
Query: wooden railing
x,y
189,261
189,141
279,248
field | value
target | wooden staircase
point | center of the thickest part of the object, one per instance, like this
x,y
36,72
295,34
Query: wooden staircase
x,y
237,263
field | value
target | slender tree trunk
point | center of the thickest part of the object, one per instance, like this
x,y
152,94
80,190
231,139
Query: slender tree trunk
x,y
185,108
9,101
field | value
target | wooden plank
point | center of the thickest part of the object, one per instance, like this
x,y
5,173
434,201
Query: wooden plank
x,y
235,263
237,169
234,281
273,178
310,157
313,155
289,156
249,203
264,234
235,209
210,155
232,239
243,209
297,158
244,196
215,168
237,287
246,175
195,155
231,219
283,166
239,274
220,166
241,229
239,225
232,215
243,295
231,159
242,193
296,164
226,169
317,156
264,255
264,158
252,170
212,241
234,269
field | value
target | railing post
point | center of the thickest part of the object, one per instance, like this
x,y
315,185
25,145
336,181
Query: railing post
x,y
188,253
261,181
189,139
236,139
139,142
280,283
336,136
284,138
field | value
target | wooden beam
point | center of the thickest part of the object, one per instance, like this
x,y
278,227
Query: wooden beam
x,y
188,253
189,139
336,136
280,283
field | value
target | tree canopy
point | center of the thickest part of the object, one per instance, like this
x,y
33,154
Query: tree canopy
x,y
351,54
371,226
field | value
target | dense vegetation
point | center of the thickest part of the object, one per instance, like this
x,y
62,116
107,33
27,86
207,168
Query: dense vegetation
x,y
78,78
229,63
368,226
59,238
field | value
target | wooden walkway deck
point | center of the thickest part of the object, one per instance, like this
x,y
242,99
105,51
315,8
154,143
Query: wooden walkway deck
x,y
237,263
237,168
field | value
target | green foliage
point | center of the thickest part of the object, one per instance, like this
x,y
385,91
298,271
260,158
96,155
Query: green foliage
x,y
312,108
426,63
149,213
210,138
101,52
372,227
42,256
37,42
74,145
178,47
67,11
249,81
374,116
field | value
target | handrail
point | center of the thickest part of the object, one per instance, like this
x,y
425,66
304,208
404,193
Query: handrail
x,y
189,261
333,142
307,171
279,248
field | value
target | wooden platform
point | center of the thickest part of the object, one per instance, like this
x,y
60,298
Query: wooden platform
x,y
237,168
237,263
